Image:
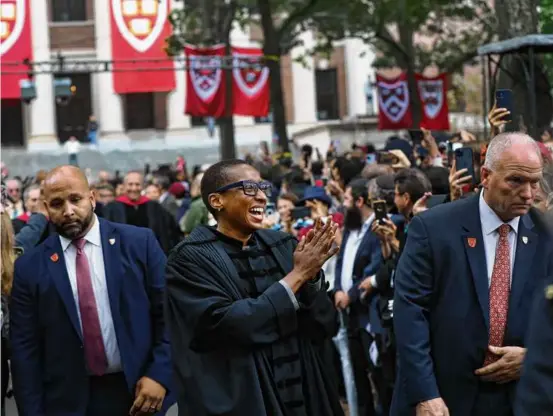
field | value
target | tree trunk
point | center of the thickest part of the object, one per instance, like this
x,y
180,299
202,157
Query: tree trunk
x,y
406,39
226,124
519,18
271,47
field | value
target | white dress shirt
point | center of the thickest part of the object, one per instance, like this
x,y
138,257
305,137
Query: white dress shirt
x,y
350,251
490,231
93,251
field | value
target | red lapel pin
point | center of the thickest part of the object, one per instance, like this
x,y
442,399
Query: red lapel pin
x,y
54,257
471,241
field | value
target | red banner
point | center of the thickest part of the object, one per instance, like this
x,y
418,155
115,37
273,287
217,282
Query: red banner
x,y
394,111
138,32
205,84
433,96
16,44
251,94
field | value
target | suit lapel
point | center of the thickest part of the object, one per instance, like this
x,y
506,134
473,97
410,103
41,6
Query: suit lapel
x,y
527,241
111,249
60,277
473,242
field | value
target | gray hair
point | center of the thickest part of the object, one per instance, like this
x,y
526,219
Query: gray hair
x,y
28,190
502,142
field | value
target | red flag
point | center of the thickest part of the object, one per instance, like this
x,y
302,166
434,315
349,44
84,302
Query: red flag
x,y
433,96
394,111
138,32
16,44
250,83
205,86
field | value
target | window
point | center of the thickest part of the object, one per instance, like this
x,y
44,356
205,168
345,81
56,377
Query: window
x,y
69,10
139,111
327,94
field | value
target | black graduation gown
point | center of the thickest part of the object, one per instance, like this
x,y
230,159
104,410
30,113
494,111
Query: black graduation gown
x,y
159,220
219,336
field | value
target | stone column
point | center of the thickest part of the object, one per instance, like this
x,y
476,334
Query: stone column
x,y
176,119
303,82
358,67
110,116
42,117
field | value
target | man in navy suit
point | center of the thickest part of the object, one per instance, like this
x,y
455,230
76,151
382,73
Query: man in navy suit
x,y
359,259
464,286
87,328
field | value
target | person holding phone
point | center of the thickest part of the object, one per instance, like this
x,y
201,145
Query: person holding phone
x,y
462,301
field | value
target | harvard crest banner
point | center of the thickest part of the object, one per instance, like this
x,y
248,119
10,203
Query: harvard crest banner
x,y
205,86
394,111
433,96
250,78
15,44
138,32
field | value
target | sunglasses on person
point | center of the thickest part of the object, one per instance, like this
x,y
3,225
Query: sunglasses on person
x,y
250,188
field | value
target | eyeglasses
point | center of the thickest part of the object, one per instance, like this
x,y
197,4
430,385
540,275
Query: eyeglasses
x,y
250,188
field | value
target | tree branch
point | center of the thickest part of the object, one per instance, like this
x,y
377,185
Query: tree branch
x,y
229,18
397,49
296,16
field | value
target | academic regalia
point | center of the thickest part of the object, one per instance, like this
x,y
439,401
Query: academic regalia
x,y
147,214
224,336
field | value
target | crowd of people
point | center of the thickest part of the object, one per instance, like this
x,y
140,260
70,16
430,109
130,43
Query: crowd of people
x,y
222,289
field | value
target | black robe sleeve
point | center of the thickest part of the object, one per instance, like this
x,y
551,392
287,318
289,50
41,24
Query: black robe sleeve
x,y
199,291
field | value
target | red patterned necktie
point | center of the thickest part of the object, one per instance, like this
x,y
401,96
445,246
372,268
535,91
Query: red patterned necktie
x,y
499,292
94,349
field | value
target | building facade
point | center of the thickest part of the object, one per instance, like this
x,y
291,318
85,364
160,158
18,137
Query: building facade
x,y
324,89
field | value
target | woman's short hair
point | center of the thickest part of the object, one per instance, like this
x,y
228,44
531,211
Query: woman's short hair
x,y
215,177
289,196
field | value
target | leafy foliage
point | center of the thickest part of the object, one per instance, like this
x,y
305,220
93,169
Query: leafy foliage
x,y
546,27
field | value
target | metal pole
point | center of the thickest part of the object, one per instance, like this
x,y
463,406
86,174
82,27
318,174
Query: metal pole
x,y
485,97
532,95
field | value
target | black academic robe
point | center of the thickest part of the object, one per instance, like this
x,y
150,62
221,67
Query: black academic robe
x,y
220,336
159,221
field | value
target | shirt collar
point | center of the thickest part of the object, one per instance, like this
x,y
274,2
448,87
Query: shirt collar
x,y
93,236
489,219
367,224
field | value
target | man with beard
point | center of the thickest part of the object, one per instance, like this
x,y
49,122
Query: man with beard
x,y
87,328
359,258
135,209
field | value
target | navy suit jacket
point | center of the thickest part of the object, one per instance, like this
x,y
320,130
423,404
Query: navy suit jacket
x,y
48,363
441,305
367,262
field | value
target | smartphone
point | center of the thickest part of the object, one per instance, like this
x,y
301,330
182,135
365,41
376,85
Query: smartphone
x,y
300,213
371,158
270,209
386,158
380,210
436,200
416,137
464,159
504,99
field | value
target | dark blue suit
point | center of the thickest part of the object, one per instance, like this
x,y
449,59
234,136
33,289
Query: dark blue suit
x,y
535,390
48,362
367,262
441,308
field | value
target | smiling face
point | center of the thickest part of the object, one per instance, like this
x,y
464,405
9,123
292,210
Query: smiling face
x,y
511,187
238,212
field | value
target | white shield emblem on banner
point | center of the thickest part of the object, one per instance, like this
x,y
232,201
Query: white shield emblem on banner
x,y
206,74
249,73
432,96
12,20
393,99
140,22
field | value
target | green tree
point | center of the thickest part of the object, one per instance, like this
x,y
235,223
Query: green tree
x,y
415,34
546,27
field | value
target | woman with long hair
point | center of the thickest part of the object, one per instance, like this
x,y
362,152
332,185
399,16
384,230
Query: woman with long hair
x,y
7,258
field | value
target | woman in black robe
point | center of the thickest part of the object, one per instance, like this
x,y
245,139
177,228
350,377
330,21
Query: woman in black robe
x,y
247,308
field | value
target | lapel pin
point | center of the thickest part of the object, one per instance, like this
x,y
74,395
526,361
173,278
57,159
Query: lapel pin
x,y
54,257
112,241
471,241
525,239
549,292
